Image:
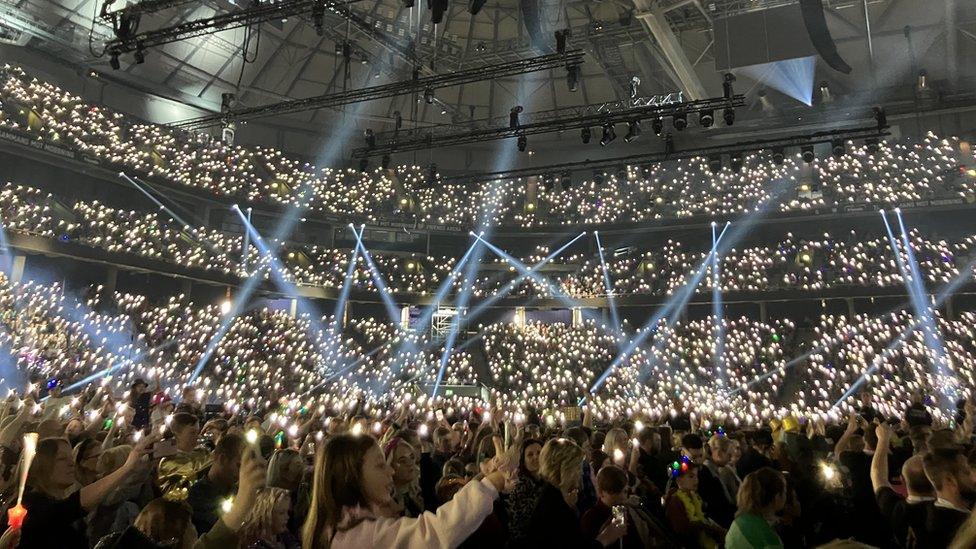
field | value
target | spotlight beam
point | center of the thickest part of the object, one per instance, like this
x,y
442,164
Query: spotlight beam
x,y
916,293
681,298
717,312
500,294
614,316
384,291
340,308
115,367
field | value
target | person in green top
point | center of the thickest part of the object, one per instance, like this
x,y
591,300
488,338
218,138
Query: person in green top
x,y
761,496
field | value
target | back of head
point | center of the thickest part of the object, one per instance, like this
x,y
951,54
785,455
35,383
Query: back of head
x,y
181,420
942,438
260,518
579,436
112,459
281,461
616,438
650,436
759,490
337,483
559,463
447,486
941,464
229,446
611,480
916,482
164,521
692,441
45,456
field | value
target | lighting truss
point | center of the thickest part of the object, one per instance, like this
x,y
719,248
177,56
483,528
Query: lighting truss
x,y
418,84
654,158
138,8
573,118
259,13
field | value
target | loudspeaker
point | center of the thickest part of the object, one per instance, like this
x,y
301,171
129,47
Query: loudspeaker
x,y
816,24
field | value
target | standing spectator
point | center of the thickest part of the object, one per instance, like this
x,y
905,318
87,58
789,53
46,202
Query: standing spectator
x,y
52,518
520,503
139,400
554,521
756,456
953,479
218,484
761,496
641,529
266,526
905,515
352,505
406,476
916,414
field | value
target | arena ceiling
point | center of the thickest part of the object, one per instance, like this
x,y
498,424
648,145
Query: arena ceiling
x,y
289,59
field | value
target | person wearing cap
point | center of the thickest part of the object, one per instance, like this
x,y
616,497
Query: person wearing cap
x,y
55,401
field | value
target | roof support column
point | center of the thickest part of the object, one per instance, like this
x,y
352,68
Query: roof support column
x,y
658,27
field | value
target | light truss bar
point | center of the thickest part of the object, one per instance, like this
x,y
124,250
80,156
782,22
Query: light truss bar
x,y
654,158
582,118
199,27
146,6
419,84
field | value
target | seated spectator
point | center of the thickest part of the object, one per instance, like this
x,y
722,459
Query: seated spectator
x,y
685,510
905,515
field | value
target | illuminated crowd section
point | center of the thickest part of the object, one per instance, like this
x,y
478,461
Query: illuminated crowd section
x,y
270,359
933,168
851,259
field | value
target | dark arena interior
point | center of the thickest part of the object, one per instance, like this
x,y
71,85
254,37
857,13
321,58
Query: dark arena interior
x,y
336,274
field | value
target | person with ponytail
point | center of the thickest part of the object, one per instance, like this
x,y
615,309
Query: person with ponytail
x,y
353,505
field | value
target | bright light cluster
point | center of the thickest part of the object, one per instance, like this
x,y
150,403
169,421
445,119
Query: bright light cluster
x,y
272,362
898,172
850,259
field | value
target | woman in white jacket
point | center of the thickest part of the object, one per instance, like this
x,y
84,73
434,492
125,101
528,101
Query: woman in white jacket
x,y
353,507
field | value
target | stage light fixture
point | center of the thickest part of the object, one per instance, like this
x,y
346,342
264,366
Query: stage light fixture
x,y
113,61
880,117
429,96
728,114
806,152
633,131
779,156
727,91
573,77
513,117
364,165
140,55
715,163
370,138
657,125
922,83
735,161
680,120
561,36
522,143
706,119
585,135
609,134
474,6
437,9
837,148
825,96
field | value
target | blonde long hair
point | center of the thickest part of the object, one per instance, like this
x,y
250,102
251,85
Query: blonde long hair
x,y
258,524
560,464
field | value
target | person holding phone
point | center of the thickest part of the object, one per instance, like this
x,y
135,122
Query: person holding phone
x,y
641,530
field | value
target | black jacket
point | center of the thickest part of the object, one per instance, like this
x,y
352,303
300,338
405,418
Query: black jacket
x,y
555,524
